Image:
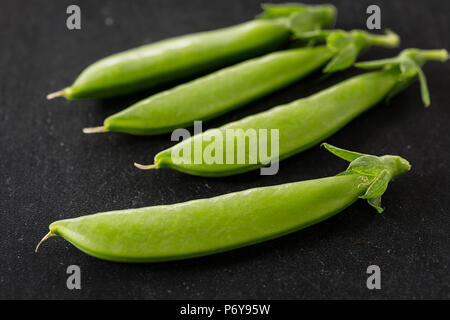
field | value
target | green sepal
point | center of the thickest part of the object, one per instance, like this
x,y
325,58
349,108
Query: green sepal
x,y
425,93
273,11
372,166
300,18
409,62
347,45
304,22
377,64
343,60
378,186
342,153
376,203
367,165
408,67
314,35
346,50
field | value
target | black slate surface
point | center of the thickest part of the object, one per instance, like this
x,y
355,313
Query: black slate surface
x,y
49,170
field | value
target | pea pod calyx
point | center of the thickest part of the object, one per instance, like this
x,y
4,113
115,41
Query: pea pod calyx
x,y
347,45
300,18
409,62
379,171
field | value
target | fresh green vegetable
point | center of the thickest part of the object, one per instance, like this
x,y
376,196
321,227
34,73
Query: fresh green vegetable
x,y
186,56
235,86
308,121
207,226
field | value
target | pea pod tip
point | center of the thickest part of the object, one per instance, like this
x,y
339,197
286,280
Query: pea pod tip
x,y
146,167
46,237
53,95
100,129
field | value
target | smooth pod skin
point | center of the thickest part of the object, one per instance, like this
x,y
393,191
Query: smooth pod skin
x,y
186,56
175,59
233,87
303,123
207,226
217,93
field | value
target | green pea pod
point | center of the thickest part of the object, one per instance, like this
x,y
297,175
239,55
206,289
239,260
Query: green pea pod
x,y
302,123
235,86
186,56
207,226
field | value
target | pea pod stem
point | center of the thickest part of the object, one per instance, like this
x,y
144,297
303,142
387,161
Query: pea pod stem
x,y
390,39
409,66
438,55
208,226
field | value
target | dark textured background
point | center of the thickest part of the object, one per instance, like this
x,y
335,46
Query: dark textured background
x,y
49,170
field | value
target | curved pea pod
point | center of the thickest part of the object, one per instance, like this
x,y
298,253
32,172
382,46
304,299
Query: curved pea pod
x,y
207,226
232,87
301,124
186,56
